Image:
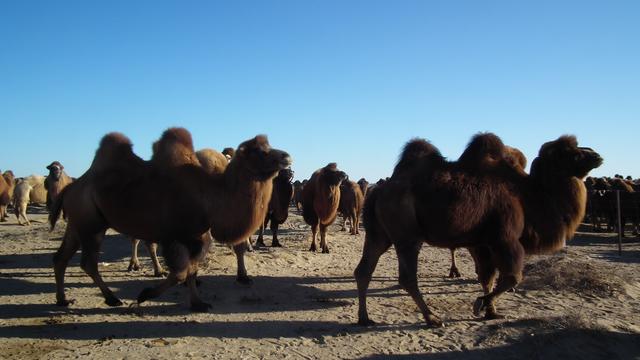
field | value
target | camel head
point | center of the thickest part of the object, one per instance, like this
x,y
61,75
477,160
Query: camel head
x,y
55,170
286,174
331,176
260,159
564,157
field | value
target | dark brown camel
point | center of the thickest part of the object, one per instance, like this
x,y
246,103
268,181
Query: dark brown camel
x,y
321,197
486,205
278,206
213,162
169,199
351,203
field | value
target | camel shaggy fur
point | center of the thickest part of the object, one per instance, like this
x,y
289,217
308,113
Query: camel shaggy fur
x,y
351,203
481,202
6,193
38,194
21,200
212,162
55,182
169,199
278,206
364,186
321,197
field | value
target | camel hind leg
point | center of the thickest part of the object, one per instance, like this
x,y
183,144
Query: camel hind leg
x,y
408,253
454,272
182,268
486,271
274,231
152,249
374,247
134,263
89,263
242,277
70,245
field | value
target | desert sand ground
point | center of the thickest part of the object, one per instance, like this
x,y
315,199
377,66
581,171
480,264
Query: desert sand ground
x,y
582,303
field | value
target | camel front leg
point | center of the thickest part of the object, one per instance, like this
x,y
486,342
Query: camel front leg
x,y
242,277
323,239
374,247
454,272
314,234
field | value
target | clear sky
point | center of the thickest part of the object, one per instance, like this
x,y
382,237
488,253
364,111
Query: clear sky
x,y
328,81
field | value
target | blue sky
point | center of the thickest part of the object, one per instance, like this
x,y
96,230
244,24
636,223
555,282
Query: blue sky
x,y
343,81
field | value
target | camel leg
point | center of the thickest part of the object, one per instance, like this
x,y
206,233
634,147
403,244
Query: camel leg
x,y
178,260
274,231
197,304
486,271
68,248
373,249
344,223
242,277
314,234
89,263
134,263
3,213
357,224
23,212
323,239
408,278
153,292
352,220
260,241
510,260
152,248
454,273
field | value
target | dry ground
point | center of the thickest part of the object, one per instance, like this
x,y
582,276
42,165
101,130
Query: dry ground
x,y
582,303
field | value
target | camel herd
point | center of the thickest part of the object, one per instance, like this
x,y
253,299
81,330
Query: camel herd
x,y
182,200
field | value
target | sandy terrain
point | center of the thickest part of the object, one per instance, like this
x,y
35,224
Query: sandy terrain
x,y
582,303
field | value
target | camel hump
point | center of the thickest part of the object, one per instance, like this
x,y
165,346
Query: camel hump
x,y
483,151
174,148
113,148
412,154
212,162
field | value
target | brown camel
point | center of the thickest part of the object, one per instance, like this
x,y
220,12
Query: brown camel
x,y
321,197
169,199
351,203
517,160
278,206
488,206
55,182
364,186
213,162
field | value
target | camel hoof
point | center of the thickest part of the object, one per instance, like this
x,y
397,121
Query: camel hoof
x,y
312,249
434,321
133,267
366,322
201,307
113,301
65,302
144,295
478,306
160,274
493,316
244,280
276,244
325,251
454,273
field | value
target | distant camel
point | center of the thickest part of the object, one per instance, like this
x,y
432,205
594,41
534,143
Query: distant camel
x,y
321,197
351,203
278,206
55,182
491,207
169,199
